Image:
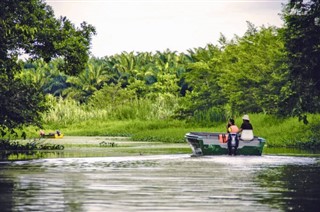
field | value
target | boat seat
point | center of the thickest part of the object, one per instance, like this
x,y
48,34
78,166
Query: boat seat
x,y
247,135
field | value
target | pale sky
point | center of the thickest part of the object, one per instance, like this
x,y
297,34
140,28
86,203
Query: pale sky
x,y
178,25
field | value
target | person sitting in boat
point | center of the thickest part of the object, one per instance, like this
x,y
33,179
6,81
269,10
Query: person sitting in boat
x,y
42,133
233,132
246,129
231,127
58,132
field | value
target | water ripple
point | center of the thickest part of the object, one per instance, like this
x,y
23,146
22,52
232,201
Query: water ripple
x,y
149,183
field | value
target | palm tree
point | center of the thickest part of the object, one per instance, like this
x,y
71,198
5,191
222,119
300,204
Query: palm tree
x,y
46,76
90,80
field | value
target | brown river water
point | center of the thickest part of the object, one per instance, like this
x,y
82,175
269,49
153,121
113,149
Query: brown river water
x,y
175,182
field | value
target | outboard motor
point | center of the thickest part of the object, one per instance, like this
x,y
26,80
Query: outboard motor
x,y
233,143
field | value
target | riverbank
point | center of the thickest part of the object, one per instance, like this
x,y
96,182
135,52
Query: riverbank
x,y
98,146
289,132
106,146
119,145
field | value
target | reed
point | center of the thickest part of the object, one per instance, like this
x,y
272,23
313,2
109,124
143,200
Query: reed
x,y
149,121
209,117
67,111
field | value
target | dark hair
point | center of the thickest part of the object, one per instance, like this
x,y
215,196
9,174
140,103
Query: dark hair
x,y
231,121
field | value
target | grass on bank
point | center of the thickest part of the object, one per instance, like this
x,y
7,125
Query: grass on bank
x,y
287,132
150,121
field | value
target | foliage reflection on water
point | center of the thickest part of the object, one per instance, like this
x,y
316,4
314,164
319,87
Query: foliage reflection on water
x,y
135,150
292,187
161,182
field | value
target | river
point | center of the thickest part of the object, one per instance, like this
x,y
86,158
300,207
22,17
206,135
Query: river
x,y
175,182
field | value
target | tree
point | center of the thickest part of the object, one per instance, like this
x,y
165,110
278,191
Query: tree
x,y
246,74
302,30
86,83
46,75
29,26
201,78
254,71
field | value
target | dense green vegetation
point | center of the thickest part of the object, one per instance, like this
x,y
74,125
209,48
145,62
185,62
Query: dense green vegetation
x,y
75,120
30,27
159,96
301,38
243,75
